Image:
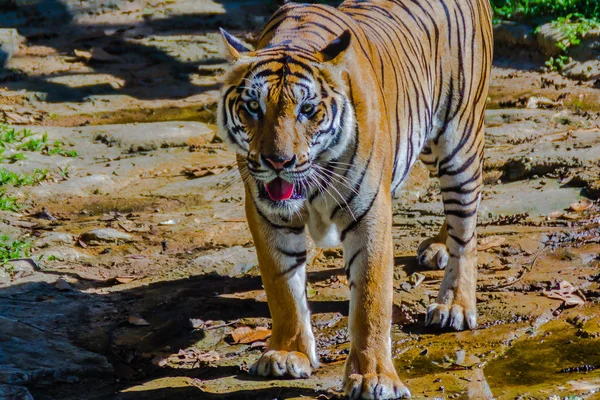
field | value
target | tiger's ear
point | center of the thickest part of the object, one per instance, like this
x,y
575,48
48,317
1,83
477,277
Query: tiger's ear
x,y
336,47
233,46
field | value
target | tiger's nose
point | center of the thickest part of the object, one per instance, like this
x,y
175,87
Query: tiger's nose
x,y
279,162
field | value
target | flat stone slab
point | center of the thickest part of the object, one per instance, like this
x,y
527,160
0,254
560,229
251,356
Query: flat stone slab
x,y
34,356
105,235
233,261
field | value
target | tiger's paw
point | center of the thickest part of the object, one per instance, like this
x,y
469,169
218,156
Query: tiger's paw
x,y
278,363
454,316
375,386
432,254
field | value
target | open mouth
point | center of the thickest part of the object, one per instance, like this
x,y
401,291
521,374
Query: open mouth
x,y
280,190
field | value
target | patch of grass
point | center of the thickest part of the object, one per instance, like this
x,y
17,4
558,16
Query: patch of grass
x,y
531,10
13,158
13,178
7,177
573,27
11,136
11,249
57,148
34,144
8,203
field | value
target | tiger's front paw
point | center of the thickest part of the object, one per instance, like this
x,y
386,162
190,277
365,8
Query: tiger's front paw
x,y
454,315
375,386
281,363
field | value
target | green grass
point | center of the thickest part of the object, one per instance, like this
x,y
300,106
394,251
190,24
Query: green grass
x,y
574,18
16,179
10,134
7,177
538,10
12,138
8,203
11,249
20,142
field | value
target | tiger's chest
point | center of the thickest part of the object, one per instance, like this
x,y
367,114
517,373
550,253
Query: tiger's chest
x,y
324,232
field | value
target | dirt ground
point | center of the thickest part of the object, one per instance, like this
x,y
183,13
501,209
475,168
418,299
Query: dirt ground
x,y
143,269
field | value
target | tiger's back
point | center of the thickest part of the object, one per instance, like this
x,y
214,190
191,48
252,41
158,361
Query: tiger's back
x,y
432,60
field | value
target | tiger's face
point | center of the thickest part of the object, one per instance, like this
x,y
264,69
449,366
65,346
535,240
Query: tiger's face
x,y
286,116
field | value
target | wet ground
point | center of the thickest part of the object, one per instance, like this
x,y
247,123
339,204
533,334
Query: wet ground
x,y
165,301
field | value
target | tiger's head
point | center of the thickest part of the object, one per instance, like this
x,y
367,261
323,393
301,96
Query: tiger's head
x,y
286,111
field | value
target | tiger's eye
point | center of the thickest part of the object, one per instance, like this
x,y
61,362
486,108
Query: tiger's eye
x,y
253,106
307,109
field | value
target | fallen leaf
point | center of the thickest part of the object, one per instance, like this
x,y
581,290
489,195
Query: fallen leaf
x,y
86,55
246,334
490,241
15,118
197,323
191,356
542,102
569,294
581,205
160,361
137,320
125,279
555,214
416,279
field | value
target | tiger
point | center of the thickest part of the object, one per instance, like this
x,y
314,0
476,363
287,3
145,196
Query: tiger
x,y
327,115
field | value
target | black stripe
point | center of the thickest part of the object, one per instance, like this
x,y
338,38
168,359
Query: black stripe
x,y
460,241
293,253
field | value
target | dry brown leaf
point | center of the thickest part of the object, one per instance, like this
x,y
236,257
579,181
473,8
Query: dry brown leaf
x,y
125,279
196,143
16,119
189,356
581,205
246,334
570,216
491,241
569,294
555,214
137,320
86,55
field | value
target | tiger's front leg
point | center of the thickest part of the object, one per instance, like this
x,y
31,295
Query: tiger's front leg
x,y
368,254
281,251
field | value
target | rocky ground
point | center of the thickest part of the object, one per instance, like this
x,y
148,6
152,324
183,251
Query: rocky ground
x,y
142,281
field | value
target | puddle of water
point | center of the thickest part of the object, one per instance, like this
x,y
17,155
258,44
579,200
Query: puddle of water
x,y
533,365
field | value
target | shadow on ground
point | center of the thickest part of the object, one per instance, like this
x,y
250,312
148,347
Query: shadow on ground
x,y
98,324
148,71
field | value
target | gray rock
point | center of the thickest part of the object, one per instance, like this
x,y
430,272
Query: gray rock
x,y
63,253
509,33
11,392
54,238
548,37
105,235
147,137
586,58
16,269
31,355
233,261
10,40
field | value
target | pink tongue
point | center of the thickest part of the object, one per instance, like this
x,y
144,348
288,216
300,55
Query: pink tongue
x,y
279,189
